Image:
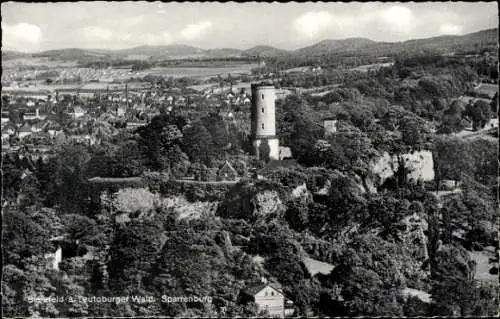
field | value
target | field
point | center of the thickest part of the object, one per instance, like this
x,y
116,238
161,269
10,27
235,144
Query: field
x,y
489,89
44,63
236,87
298,69
375,66
178,72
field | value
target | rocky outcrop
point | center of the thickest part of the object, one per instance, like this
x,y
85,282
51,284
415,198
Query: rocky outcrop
x,y
415,243
302,193
185,209
413,236
253,201
268,202
420,165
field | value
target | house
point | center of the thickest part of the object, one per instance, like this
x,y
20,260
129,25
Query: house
x,y
121,110
37,127
289,308
208,174
268,297
25,130
180,100
227,173
330,126
76,112
9,128
135,124
5,137
5,117
34,116
5,146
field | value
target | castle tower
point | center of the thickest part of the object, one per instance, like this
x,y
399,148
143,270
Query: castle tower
x,y
263,130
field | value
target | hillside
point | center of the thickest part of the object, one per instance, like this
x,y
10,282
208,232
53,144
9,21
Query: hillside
x,y
71,54
8,55
329,46
362,46
161,50
351,46
264,51
223,52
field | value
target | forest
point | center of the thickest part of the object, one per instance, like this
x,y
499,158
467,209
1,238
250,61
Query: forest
x,y
382,235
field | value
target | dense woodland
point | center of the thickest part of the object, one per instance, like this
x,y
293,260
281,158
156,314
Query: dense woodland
x,y
409,106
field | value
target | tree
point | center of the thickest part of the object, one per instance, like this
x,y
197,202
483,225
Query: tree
x,y
387,211
157,138
479,113
494,105
369,277
297,215
453,287
485,160
26,237
133,253
452,120
192,263
350,150
220,137
70,178
197,142
452,159
414,130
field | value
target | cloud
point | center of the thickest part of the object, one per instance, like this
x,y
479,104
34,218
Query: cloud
x,y
312,24
21,35
450,29
196,30
95,32
125,37
398,18
155,39
134,21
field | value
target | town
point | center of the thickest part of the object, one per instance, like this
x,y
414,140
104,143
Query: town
x,y
346,178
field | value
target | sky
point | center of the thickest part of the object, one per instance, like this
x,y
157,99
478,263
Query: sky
x,y
33,27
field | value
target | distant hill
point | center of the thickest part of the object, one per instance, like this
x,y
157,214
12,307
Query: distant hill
x,y
224,52
362,46
71,54
329,46
452,43
351,46
264,51
159,50
8,55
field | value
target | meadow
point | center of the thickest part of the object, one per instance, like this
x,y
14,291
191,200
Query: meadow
x,y
203,72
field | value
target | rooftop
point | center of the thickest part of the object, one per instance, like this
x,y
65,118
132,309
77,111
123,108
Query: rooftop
x,y
253,289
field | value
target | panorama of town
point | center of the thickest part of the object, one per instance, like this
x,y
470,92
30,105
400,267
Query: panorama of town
x,y
350,177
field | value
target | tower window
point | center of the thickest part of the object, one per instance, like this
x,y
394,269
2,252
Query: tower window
x,y
262,96
262,110
262,125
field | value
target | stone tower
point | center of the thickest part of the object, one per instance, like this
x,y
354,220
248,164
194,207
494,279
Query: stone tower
x,y
264,123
